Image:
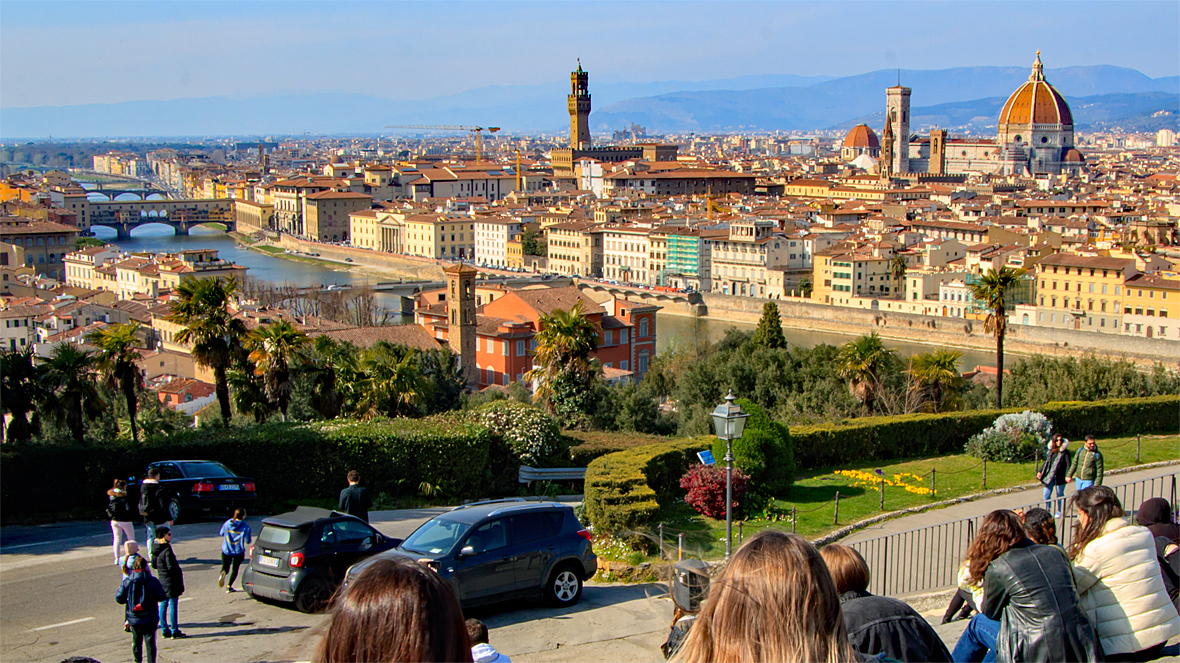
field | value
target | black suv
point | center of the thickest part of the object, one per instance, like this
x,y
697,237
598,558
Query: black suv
x,y
199,486
302,556
491,551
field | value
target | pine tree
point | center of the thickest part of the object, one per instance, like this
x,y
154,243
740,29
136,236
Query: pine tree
x,y
770,328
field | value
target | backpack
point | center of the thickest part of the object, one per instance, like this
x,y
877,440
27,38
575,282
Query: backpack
x,y
138,594
145,506
111,509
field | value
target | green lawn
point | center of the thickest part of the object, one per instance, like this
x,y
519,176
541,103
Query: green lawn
x,y
267,248
956,476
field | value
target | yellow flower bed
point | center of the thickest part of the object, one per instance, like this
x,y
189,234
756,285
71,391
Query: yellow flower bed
x,y
871,481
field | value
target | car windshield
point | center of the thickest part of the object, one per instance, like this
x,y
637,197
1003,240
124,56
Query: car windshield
x,y
435,537
196,470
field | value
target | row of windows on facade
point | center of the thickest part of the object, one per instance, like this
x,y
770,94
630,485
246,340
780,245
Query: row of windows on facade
x,y
41,241
1090,305
1117,289
16,322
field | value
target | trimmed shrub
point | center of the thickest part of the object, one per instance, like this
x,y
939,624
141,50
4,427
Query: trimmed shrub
x,y
1117,416
706,489
764,452
1011,437
625,489
531,434
585,446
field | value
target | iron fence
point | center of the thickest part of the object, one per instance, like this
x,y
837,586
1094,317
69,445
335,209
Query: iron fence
x,y
928,558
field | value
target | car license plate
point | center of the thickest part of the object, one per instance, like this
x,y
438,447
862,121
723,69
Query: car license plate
x,y
268,561
229,486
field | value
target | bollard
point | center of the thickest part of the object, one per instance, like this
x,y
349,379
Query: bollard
x,y
680,547
836,516
882,494
740,536
661,540
984,474
794,518
933,476
1138,442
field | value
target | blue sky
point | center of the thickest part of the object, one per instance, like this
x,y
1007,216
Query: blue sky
x,y
65,53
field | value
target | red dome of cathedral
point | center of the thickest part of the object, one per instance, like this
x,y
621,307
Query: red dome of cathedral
x,y
1072,155
1036,102
861,136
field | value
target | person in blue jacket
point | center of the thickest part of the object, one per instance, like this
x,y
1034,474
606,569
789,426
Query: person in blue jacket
x,y
141,592
235,536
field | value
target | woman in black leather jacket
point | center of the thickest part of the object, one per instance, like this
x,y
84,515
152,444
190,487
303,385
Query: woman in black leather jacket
x,y
1029,589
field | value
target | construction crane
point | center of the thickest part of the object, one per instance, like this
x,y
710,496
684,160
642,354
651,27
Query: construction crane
x,y
478,131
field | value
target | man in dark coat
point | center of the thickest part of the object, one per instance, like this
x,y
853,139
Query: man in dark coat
x,y
171,579
141,593
152,506
879,624
354,500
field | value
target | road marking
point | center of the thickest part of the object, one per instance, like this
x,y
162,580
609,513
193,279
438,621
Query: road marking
x,y
187,598
76,621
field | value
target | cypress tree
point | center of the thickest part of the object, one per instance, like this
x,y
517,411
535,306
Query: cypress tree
x,y
770,328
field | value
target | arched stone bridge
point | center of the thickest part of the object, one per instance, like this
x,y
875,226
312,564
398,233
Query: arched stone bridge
x,y
126,215
690,303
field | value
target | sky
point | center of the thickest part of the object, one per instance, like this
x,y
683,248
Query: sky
x,y
67,53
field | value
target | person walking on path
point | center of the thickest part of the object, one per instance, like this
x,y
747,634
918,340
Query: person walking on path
x,y
235,536
354,500
125,562
171,578
141,593
1052,473
1118,576
1086,470
152,507
121,516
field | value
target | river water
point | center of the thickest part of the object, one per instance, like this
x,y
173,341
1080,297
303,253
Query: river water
x,y
673,330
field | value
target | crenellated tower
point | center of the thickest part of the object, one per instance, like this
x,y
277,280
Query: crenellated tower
x,y
897,109
461,318
579,106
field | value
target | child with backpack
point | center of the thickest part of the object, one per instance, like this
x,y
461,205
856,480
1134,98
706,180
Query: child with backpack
x,y
141,593
130,554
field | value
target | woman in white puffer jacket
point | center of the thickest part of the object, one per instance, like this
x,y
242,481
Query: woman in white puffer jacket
x,y
1119,581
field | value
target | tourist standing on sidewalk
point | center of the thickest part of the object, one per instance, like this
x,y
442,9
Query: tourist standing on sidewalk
x,y
235,536
141,593
152,506
354,500
1029,610
1118,577
1086,469
171,578
1052,473
121,516
481,651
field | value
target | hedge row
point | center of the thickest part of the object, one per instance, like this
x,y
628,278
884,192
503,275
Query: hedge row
x,y
625,489
287,462
585,446
1117,416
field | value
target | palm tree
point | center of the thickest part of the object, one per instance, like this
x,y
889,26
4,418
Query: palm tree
x,y
249,392
897,269
937,373
806,287
328,367
865,362
990,290
118,355
209,327
20,391
392,384
563,350
272,349
71,388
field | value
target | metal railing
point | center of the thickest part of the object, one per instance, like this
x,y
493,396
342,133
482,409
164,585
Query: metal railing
x,y
928,558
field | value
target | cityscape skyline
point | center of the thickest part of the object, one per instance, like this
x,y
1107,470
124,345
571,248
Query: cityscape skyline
x,y
257,49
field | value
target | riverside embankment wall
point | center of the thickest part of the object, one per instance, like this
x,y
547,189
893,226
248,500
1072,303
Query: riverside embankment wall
x,y
410,267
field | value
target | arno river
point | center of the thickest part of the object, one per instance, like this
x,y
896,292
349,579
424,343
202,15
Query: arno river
x,y
673,330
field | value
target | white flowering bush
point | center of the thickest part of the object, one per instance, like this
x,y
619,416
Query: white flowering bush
x,y
1011,437
532,435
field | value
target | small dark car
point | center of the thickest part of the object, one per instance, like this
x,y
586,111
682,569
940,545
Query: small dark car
x,y
302,556
501,549
199,486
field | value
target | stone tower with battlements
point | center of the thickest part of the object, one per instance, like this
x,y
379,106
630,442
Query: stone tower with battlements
x,y
897,111
461,318
579,106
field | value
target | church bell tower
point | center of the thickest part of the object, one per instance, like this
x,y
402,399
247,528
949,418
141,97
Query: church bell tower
x,y
579,106
897,110
461,318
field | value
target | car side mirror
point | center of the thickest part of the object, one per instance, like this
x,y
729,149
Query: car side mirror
x,y
466,551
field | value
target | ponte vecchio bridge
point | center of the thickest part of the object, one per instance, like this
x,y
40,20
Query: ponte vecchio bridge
x,y
127,215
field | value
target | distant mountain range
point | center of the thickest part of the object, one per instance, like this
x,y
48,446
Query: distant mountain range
x,y
954,98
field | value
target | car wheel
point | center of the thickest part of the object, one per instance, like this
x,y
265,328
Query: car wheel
x,y
174,511
313,595
564,587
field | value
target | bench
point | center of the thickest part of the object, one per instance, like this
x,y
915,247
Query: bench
x,y
530,474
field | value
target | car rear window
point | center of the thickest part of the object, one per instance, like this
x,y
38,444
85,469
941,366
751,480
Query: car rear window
x,y
198,470
283,538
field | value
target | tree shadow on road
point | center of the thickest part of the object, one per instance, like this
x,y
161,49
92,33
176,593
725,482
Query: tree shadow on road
x,y
508,613
265,630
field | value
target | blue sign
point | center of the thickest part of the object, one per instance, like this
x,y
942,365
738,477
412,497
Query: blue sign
x,y
706,457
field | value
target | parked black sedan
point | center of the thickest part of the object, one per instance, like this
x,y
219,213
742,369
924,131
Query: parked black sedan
x,y
300,557
193,487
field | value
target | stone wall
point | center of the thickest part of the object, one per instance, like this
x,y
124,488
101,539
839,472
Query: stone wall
x,y
410,267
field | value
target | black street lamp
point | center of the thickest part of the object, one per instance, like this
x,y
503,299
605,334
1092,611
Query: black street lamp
x,y
728,422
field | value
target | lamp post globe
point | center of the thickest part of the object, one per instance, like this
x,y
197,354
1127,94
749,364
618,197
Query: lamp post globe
x,y
729,421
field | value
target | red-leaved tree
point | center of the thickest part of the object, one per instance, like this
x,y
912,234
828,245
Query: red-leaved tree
x,y
706,489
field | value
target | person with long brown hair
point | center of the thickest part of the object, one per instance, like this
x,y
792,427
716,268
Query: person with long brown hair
x,y
396,610
774,601
1118,577
1029,610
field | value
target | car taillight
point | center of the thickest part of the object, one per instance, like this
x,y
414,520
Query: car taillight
x,y
203,487
585,534
248,486
295,561
250,551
